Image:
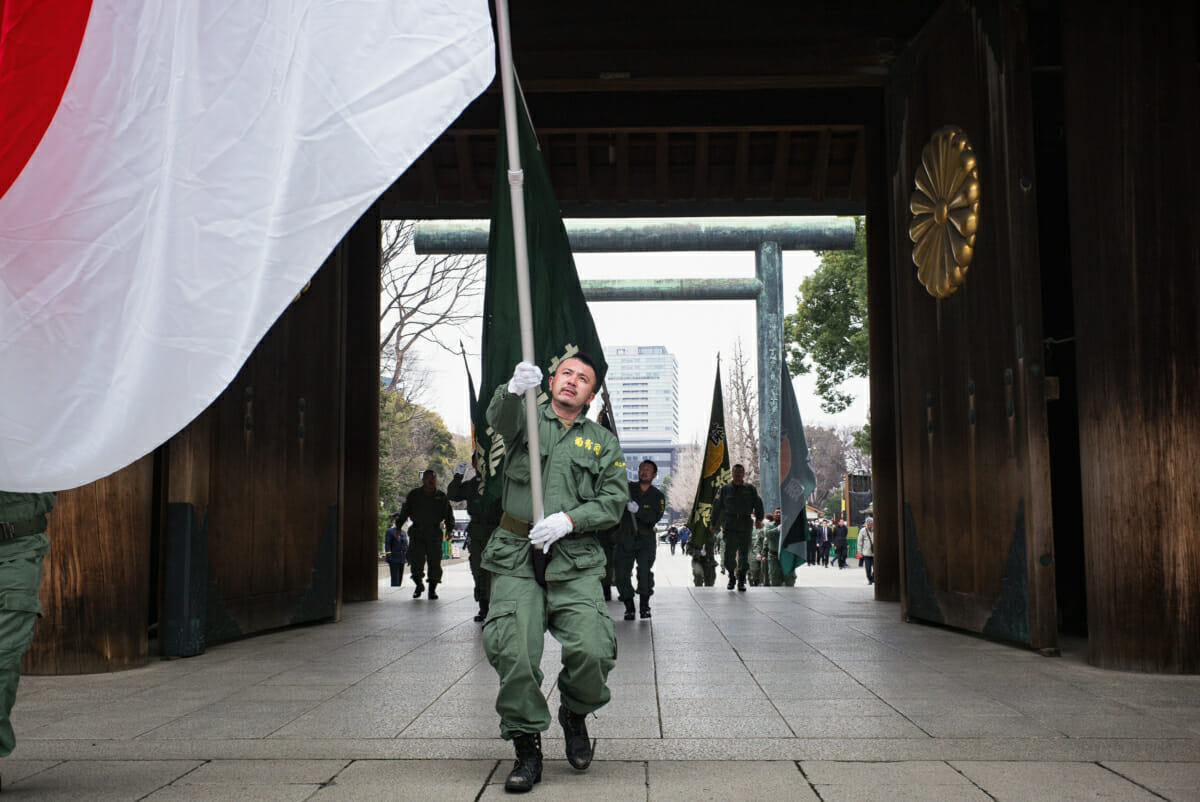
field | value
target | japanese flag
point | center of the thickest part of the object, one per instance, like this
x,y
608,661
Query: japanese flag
x,y
171,174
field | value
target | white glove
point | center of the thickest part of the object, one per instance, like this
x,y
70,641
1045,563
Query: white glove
x,y
460,469
632,506
525,376
549,529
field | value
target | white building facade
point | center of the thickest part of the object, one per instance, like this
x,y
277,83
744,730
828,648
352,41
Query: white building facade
x,y
643,385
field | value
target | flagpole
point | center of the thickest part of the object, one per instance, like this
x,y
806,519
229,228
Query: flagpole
x,y
516,184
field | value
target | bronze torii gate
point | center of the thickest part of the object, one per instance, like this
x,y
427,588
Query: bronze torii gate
x,y
767,237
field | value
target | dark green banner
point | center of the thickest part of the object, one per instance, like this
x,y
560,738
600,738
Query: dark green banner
x,y
796,477
714,473
562,324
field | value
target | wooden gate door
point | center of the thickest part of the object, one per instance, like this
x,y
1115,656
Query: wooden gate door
x,y
977,549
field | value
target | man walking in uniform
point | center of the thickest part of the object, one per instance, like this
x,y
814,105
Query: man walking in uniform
x,y
636,539
775,576
485,516
428,508
583,473
23,545
738,501
704,562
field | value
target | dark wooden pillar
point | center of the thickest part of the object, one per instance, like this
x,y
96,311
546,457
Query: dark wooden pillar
x,y
360,382
1131,96
885,475
96,578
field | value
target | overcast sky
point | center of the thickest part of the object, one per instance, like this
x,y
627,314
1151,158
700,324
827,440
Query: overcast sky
x,y
694,331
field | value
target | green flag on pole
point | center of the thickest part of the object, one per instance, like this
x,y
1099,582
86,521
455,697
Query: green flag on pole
x,y
714,472
472,402
796,477
562,324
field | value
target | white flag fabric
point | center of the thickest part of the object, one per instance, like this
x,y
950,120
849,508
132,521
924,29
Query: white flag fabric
x,y
196,164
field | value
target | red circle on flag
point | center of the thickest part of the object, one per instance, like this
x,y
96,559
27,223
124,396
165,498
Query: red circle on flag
x,y
39,42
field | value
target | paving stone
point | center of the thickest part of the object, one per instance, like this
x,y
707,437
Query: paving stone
x,y
1033,782
711,781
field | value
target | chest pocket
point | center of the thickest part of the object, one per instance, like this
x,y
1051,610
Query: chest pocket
x,y
585,471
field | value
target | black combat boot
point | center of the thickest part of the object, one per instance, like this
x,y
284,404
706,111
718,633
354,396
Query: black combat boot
x,y
732,581
419,589
482,614
528,769
629,613
433,590
741,578
579,746
645,607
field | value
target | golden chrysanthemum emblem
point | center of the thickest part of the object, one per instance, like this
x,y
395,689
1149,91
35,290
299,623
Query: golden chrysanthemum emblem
x,y
945,208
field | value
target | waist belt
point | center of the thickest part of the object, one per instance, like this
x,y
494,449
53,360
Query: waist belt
x,y
14,529
518,527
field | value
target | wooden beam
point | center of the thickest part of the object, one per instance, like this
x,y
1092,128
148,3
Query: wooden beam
x,y
741,166
582,168
466,180
428,178
622,167
783,144
662,184
821,165
701,191
858,171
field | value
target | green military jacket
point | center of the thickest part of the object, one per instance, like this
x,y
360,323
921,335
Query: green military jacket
x,y
16,507
583,475
770,538
738,503
427,511
652,504
485,515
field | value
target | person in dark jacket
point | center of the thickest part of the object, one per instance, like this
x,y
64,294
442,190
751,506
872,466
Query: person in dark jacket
x,y
840,534
636,540
395,550
428,508
485,516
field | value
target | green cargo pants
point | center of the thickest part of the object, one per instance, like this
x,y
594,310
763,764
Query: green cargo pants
x,y
483,578
20,577
513,636
737,551
423,546
629,549
777,577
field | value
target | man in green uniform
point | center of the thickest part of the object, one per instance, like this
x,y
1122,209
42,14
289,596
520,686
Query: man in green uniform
x,y
636,540
23,545
775,576
583,481
738,501
704,562
485,516
757,575
428,508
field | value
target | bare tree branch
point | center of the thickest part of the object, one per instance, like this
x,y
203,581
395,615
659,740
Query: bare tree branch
x,y
742,398
423,297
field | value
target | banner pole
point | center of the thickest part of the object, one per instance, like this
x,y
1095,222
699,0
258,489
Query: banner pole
x,y
516,184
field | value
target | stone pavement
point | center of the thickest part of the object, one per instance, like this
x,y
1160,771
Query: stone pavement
x,y
816,692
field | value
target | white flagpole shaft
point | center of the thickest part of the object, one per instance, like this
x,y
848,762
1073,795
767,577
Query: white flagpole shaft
x,y
516,185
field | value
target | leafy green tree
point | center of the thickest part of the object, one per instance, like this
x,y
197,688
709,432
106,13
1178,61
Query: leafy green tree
x,y
862,439
828,331
411,439
833,503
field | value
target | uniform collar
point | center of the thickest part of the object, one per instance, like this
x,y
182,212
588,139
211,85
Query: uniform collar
x,y
549,414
